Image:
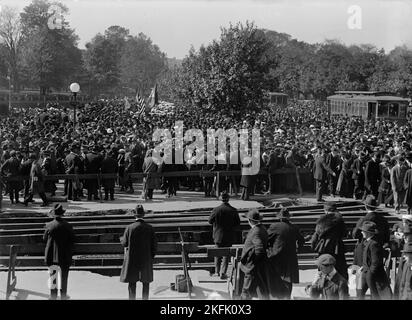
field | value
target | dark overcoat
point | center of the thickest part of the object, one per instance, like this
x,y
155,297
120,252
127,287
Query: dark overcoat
x,y
59,237
373,268
109,165
328,238
408,186
381,224
225,220
140,248
149,166
284,239
254,249
320,169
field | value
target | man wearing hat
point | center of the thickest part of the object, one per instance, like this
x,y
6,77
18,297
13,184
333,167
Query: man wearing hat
x,y
225,220
320,170
11,169
373,272
139,241
282,239
59,237
403,283
253,259
328,284
74,165
92,164
378,218
328,237
373,175
398,173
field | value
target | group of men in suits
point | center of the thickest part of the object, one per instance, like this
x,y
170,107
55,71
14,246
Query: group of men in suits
x,y
361,173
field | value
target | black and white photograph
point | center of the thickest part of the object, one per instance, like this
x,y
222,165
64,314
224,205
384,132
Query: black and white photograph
x,y
216,152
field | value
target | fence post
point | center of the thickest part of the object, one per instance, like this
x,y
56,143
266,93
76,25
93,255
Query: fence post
x,y
298,181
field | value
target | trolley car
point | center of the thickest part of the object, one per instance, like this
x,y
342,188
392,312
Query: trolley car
x,y
277,98
368,105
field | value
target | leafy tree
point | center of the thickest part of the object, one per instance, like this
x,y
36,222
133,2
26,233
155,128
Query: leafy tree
x,y
229,75
141,63
10,36
50,56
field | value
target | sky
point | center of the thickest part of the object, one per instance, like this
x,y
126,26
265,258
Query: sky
x,y
176,25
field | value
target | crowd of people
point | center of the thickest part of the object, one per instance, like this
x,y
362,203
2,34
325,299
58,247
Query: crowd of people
x,y
348,156
269,262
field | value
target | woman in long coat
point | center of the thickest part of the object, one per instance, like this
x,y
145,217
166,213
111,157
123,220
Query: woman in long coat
x,y
149,182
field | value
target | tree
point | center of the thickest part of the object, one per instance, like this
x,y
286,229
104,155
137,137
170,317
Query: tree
x,y
229,75
10,37
141,63
102,59
50,56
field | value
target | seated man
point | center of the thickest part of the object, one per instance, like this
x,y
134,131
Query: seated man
x,y
328,284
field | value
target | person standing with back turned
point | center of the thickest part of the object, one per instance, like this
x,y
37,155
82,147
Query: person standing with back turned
x,y
140,245
225,219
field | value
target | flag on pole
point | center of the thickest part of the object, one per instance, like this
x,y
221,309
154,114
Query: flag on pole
x,y
153,99
126,104
141,104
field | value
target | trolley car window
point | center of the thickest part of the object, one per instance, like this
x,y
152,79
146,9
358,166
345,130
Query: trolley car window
x,y
383,110
393,110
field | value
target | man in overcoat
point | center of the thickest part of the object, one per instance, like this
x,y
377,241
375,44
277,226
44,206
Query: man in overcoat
x,y
373,272
398,173
253,259
404,276
150,183
225,220
373,175
284,240
11,169
139,241
92,165
59,237
109,166
407,183
320,170
36,184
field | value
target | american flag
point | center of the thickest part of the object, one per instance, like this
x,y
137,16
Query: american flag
x,y
141,104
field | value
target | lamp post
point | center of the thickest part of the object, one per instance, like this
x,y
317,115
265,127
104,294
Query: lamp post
x,y
75,88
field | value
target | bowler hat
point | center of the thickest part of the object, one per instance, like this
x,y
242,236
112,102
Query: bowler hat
x,y
139,211
253,214
57,210
407,248
369,226
325,259
370,201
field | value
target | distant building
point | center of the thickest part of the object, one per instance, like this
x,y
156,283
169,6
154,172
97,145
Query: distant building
x,y
368,105
277,98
